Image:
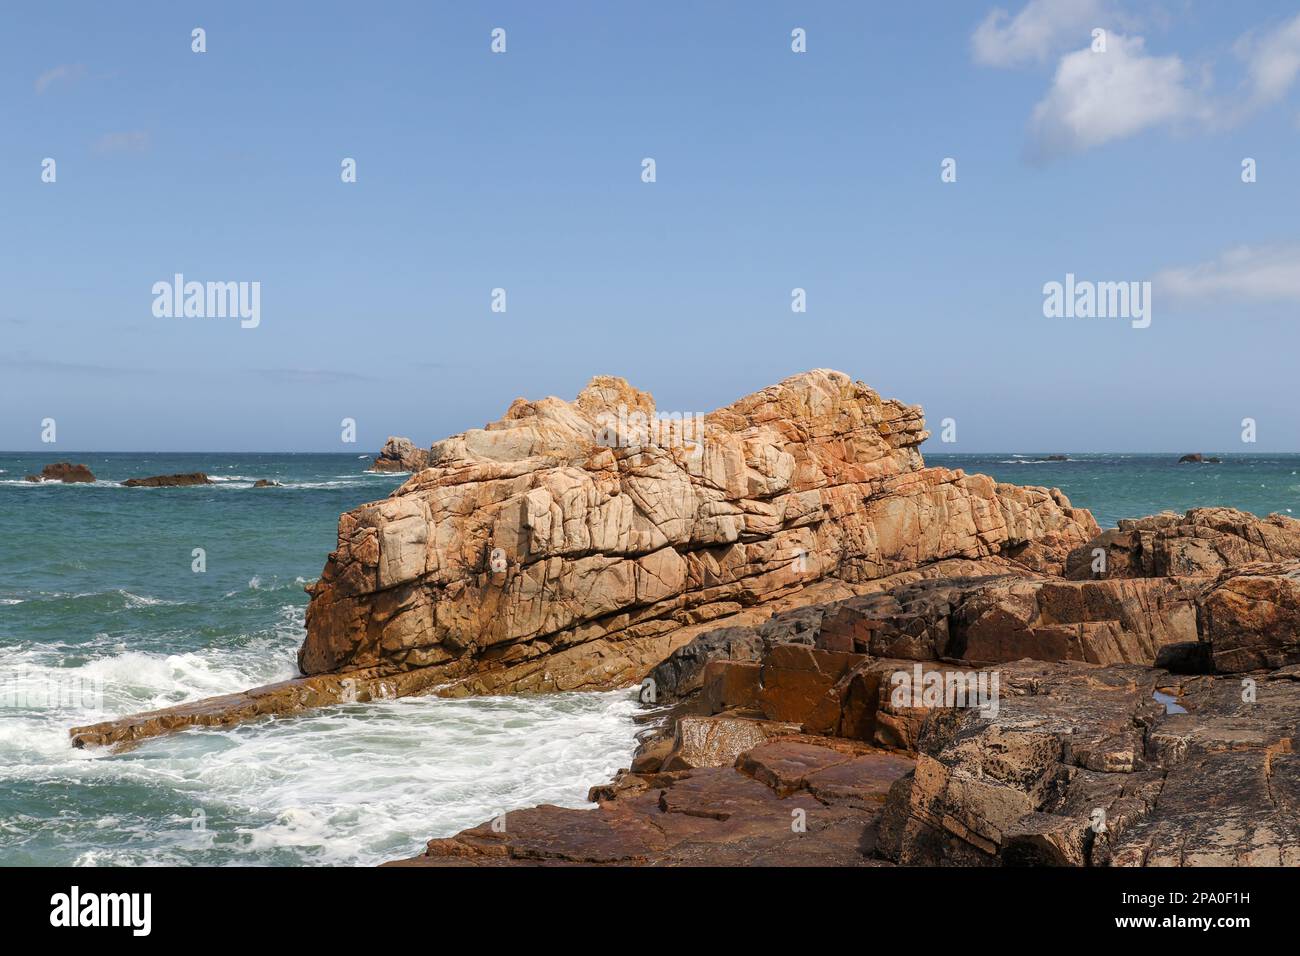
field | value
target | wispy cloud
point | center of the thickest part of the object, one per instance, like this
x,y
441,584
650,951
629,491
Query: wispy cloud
x,y
1255,273
23,361
63,73
1272,62
1041,30
132,141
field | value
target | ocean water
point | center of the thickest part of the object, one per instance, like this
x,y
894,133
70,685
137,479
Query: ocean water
x,y
1130,486
102,614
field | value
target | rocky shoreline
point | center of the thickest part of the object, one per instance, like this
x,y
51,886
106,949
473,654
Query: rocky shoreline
x,y
863,660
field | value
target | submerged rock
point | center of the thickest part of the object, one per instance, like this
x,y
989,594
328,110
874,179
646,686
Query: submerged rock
x,y
169,481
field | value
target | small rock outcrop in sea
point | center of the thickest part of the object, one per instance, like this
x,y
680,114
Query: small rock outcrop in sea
x,y
265,483
169,481
1197,457
64,471
400,454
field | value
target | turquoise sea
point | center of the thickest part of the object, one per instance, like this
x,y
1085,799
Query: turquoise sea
x,y
102,614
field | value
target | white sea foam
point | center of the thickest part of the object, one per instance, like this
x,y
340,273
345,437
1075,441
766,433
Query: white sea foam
x,y
355,784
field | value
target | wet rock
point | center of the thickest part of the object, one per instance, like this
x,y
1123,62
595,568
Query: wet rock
x,y
64,471
703,817
169,481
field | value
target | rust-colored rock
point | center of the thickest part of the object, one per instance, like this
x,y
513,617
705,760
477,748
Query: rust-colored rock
x,y
64,471
1251,618
703,817
1204,541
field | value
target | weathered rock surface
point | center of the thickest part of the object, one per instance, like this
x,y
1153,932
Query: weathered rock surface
x,y
64,471
1082,765
401,454
586,525
1251,617
1204,541
1064,763
1199,458
169,481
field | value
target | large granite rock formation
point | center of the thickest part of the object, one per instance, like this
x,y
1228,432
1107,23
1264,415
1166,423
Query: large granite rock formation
x,y
569,544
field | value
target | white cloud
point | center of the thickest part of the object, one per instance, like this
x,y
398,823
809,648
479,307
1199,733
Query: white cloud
x,y
1260,273
1099,97
1041,30
1272,62
1096,98
64,73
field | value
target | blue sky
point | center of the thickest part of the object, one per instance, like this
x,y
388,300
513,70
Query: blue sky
x,y
522,171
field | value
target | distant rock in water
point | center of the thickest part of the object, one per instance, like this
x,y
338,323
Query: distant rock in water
x,y
64,471
169,481
1200,459
400,454
1056,458
264,483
